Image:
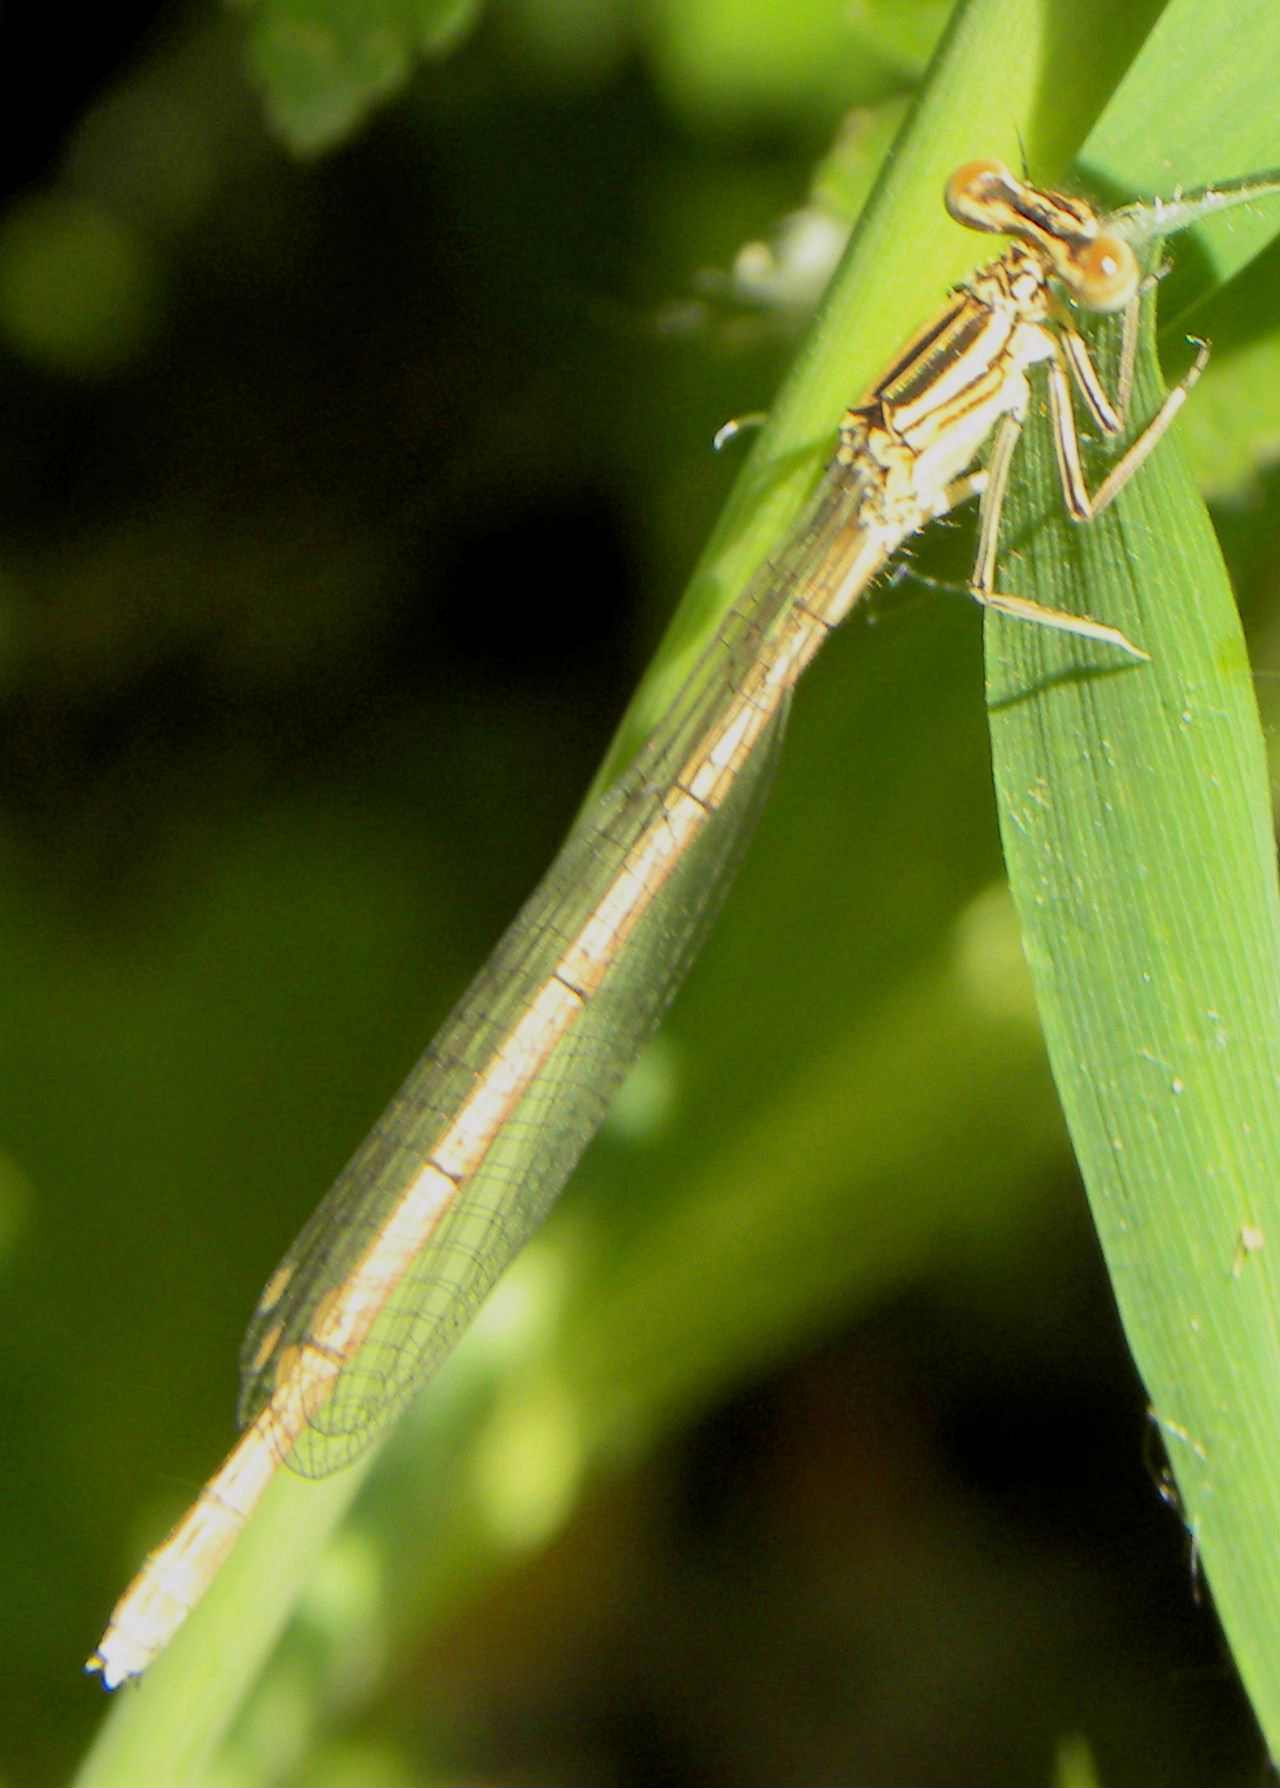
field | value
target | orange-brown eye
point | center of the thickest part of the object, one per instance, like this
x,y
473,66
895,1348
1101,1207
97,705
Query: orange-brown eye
x,y
1106,274
971,189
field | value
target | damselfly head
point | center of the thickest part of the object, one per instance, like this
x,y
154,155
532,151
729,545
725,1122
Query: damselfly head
x,y
1097,266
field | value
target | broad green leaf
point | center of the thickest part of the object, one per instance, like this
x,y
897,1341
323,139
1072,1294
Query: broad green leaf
x,y
1136,816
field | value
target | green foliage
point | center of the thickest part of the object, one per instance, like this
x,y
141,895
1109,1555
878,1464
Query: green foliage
x,y
324,65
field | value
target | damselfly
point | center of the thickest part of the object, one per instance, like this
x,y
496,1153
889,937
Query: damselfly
x,y
488,1126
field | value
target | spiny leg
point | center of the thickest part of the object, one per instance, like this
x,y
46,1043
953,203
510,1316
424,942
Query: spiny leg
x,y
1081,504
984,569
1070,358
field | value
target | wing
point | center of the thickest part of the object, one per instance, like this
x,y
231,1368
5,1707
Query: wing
x,y
486,1217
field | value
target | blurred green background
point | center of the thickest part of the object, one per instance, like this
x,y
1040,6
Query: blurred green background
x,y
344,498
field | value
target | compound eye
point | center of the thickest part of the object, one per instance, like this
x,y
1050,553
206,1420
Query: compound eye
x,y
974,188
1105,274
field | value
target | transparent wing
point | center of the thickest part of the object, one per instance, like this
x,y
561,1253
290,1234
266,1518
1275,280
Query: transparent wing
x,y
527,1163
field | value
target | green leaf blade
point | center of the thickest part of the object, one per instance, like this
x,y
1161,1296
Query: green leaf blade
x,y
1136,818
